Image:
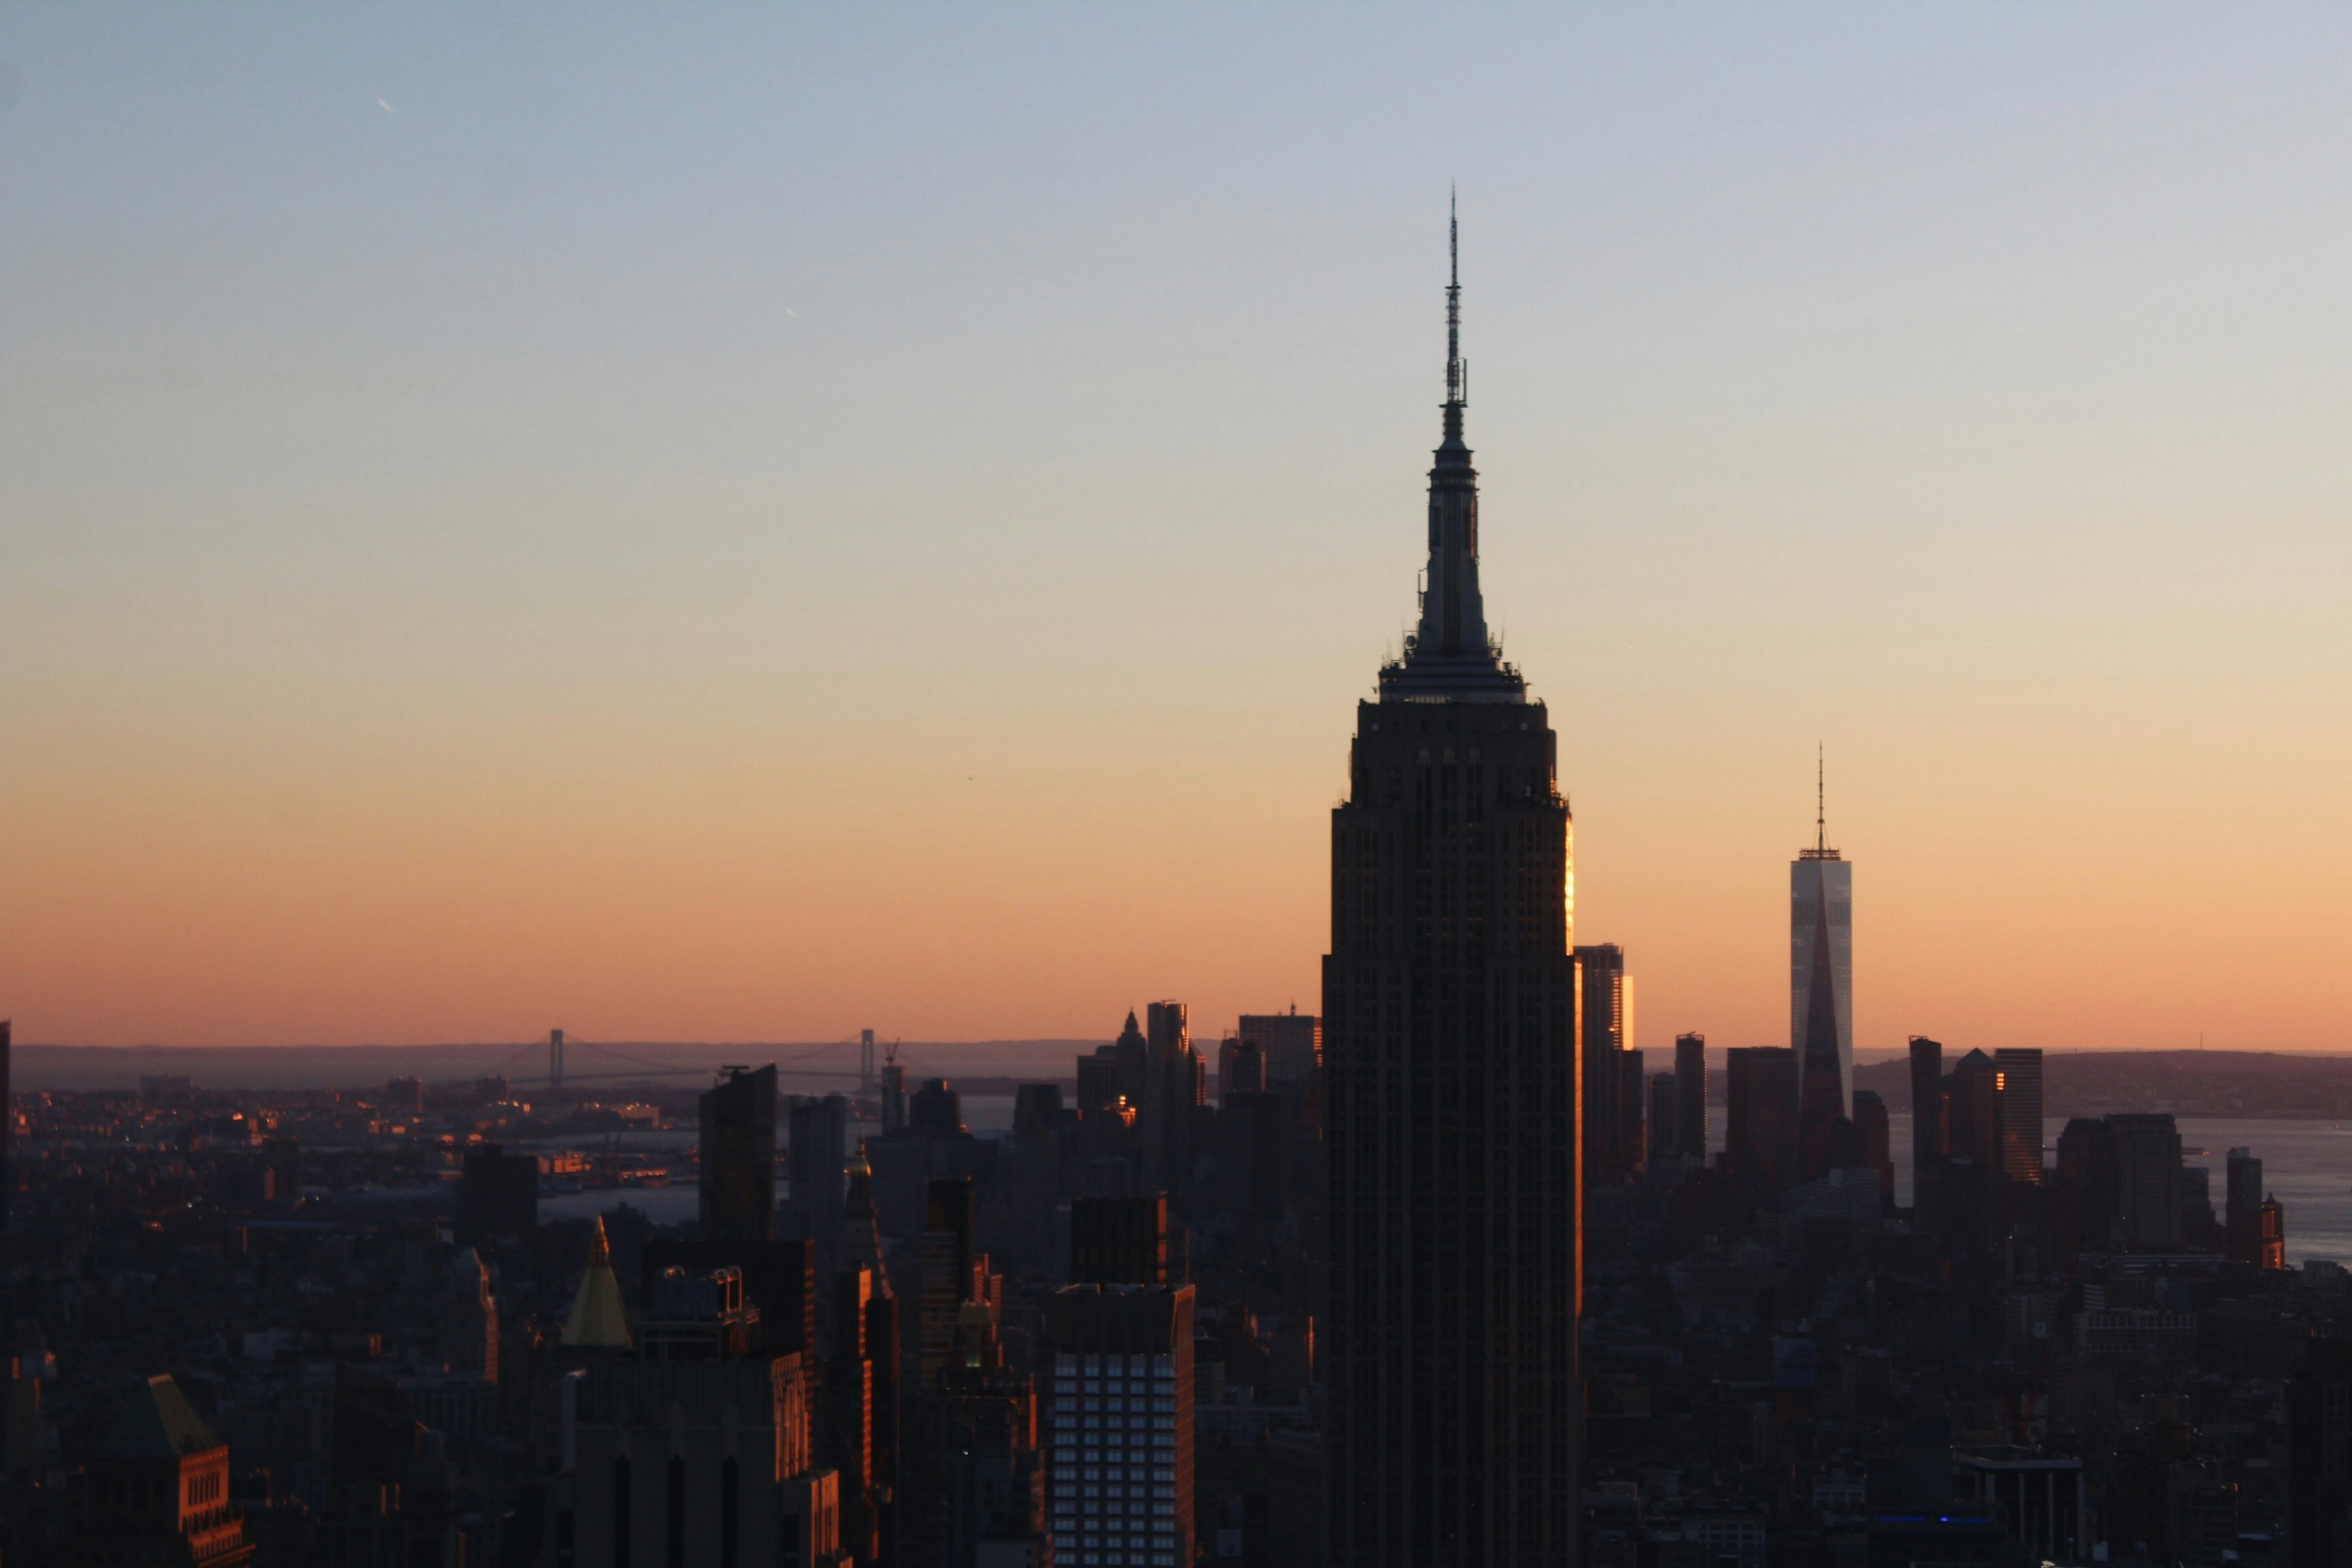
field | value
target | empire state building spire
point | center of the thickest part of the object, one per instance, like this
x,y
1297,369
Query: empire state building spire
x,y
1450,1088
1450,653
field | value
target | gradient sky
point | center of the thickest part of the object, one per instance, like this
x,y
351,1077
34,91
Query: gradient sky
x,y
750,522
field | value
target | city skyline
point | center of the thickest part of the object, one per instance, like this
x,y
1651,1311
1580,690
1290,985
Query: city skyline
x,y
509,526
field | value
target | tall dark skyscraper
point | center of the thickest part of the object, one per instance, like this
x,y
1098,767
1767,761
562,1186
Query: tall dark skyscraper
x,y
2020,1113
1927,1118
1605,1030
8,1171
1690,1095
1760,1116
1820,992
738,1157
1451,1081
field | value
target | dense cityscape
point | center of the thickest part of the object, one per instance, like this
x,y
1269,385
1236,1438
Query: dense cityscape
x,y
1452,1272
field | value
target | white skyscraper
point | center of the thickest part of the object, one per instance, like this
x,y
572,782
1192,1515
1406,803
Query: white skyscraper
x,y
1820,989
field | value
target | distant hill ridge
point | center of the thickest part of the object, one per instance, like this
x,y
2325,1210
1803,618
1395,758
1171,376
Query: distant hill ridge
x,y
818,1066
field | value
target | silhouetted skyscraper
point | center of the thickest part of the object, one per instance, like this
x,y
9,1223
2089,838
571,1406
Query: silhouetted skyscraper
x,y
738,1156
1690,1095
2086,1193
1870,1129
1173,1085
2241,1225
1972,1122
817,1168
2020,1114
1632,1126
498,1197
8,1167
1606,994
1665,1116
467,1337
862,1394
1759,1124
2147,1180
2319,1456
1451,1097
936,1109
1241,1067
1119,1241
1292,1044
1927,1116
1821,990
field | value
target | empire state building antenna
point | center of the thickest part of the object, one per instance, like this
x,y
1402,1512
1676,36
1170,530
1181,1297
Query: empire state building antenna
x,y
1457,375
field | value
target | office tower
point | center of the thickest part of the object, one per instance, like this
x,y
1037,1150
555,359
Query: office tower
x,y
2086,1182
156,1489
778,1278
1240,1067
1665,1116
2147,1181
2020,1115
1119,1241
1631,1129
1759,1124
1870,1126
1255,1144
498,1197
1292,1044
468,1333
698,1448
1036,1109
2270,1226
936,1109
1820,989
738,1156
861,1389
1690,1096
1927,1118
599,1318
816,1168
403,1097
894,1097
954,1273
2200,1230
2319,1456
7,1120
1971,1095
1121,1448
959,1307
1173,1081
2242,1225
1604,1033
1450,1095
554,1060
988,1485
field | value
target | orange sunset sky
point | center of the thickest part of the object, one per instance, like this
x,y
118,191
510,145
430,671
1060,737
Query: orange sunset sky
x,y
844,520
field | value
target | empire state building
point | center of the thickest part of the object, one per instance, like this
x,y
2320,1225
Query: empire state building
x,y
1451,1083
